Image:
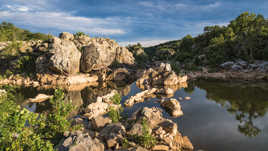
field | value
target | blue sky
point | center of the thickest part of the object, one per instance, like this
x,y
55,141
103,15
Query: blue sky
x,y
127,21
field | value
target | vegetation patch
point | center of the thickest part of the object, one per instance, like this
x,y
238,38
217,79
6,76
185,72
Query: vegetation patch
x,y
22,130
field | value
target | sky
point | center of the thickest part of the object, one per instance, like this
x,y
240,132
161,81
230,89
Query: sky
x,y
148,22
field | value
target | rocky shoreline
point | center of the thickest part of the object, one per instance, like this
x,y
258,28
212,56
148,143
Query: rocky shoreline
x,y
75,62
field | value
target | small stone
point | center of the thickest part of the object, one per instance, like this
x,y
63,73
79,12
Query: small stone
x,y
187,98
160,148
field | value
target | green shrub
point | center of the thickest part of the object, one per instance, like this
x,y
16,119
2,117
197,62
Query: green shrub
x,y
22,130
116,98
25,64
114,114
146,139
78,34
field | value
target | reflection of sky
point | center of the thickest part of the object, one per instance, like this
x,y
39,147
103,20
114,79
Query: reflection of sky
x,y
209,126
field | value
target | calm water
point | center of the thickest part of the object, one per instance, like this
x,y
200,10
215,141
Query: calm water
x,y
220,116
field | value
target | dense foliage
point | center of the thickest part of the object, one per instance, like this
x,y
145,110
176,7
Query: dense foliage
x,y
21,129
246,38
9,32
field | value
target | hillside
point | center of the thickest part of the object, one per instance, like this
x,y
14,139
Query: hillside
x,y
9,32
245,37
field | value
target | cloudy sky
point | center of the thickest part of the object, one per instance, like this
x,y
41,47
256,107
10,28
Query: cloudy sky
x,y
127,21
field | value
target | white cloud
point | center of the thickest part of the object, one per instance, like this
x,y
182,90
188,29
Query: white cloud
x,y
145,43
31,15
179,6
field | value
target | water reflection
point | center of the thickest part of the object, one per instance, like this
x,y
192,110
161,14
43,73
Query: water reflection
x,y
246,101
221,116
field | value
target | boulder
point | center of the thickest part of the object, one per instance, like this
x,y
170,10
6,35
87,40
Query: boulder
x,y
227,65
100,121
98,55
96,109
40,98
124,56
241,63
152,115
159,75
112,134
173,107
81,40
139,97
136,129
61,57
65,58
236,67
66,36
79,141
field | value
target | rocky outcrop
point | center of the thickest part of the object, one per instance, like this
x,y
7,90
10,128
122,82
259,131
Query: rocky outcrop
x,y
98,55
173,107
139,97
81,40
101,106
159,75
78,141
58,80
101,53
113,134
243,66
124,56
166,131
62,56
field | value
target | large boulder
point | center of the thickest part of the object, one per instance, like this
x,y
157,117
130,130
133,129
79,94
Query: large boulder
x,y
98,55
173,107
101,53
124,56
66,57
80,141
61,57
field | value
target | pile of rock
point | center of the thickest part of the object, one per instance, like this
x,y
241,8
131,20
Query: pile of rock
x,y
63,55
161,74
101,106
166,131
241,65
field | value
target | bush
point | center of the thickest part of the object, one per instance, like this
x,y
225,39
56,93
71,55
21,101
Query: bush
x,y
146,139
22,130
114,114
